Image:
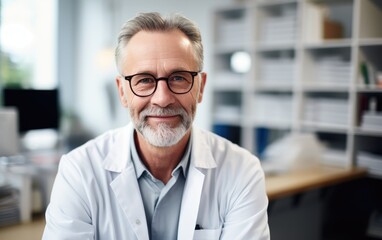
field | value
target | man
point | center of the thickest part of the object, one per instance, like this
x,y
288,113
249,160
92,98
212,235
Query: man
x,y
159,177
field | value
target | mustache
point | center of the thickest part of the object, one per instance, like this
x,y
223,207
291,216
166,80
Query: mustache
x,y
158,111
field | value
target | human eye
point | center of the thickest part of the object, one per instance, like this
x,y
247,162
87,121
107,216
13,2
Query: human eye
x,y
143,80
177,78
180,77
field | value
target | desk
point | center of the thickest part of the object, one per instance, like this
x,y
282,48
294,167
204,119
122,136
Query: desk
x,y
41,168
298,181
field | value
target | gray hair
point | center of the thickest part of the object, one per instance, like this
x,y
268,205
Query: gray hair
x,y
156,22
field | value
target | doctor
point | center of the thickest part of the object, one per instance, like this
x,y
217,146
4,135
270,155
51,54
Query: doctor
x,y
159,177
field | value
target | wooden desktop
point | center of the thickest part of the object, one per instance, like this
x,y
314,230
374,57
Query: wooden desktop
x,y
298,181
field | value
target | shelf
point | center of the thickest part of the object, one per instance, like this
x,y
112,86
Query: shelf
x,y
324,88
221,49
370,42
270,3
273,47
369,89
273,125
340,43
309,59
363,132
276,87
325,127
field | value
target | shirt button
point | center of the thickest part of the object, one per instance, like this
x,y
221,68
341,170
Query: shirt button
x,y
138,222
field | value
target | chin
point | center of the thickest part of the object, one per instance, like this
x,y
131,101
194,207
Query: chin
x,y
164,135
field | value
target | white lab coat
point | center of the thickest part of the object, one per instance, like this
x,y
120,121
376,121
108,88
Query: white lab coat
x,y
96,193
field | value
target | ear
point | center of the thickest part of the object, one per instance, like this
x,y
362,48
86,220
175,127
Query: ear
x,y
121,91
202,83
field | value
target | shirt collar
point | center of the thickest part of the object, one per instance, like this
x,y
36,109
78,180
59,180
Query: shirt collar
x,y
140,168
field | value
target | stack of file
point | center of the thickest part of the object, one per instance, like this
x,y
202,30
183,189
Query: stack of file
x,y
277,72
228,80
227,113
9,205
231,32
371,121
272,109
372,162
326,111
332,70
280,29
334,157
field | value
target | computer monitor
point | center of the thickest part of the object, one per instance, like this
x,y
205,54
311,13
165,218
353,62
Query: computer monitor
x,y
37,109
9,138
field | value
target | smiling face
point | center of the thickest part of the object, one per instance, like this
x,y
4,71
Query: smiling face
x,y
164,118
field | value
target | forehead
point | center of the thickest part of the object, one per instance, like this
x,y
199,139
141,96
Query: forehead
x,y
157,51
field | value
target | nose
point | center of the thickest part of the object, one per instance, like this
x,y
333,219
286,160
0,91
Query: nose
x,y
162,96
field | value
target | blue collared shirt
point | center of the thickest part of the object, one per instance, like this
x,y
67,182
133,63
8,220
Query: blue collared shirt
x,y
162,202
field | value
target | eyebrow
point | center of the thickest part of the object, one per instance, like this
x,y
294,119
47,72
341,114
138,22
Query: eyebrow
x,y
155,75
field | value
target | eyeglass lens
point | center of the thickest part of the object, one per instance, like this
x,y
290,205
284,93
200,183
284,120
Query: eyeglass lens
x,y
145,84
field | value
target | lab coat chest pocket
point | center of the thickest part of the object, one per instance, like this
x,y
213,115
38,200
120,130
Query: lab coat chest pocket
x,y
207,234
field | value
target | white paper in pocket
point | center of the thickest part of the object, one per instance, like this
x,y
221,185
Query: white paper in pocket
x,y
207,234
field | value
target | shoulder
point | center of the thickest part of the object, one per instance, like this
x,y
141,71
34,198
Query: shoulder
x,y
227,155
99,145
236,176
95,150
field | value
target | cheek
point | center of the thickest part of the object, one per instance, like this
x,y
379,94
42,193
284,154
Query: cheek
x,y
189,102
130,98
137,104
194,96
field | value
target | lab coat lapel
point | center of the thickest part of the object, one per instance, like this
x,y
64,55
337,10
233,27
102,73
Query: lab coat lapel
x,y
201,159
125,185
190,204
128,195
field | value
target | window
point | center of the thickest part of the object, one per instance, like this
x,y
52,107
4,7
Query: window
x,y
28,44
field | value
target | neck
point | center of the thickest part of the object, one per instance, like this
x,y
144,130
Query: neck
x,y
161,161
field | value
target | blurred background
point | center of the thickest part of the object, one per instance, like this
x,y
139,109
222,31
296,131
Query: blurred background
x,y
69,45
296,82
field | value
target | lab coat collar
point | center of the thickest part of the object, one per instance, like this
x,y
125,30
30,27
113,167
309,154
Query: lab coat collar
x,y
201,153
119,158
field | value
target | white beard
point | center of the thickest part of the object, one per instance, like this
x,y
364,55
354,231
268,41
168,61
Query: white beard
x,y
163,135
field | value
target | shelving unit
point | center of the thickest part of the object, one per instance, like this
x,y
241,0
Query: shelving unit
x,y
315,67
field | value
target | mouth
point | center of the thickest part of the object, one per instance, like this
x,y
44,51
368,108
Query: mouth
x,y
161,118
155,116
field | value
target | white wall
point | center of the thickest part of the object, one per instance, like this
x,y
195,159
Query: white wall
x,y
97,26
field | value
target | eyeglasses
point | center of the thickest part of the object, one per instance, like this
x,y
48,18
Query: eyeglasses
x,y
145,84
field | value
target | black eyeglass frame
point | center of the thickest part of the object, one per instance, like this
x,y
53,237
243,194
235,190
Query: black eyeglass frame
x,y
129,77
